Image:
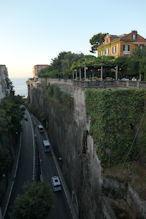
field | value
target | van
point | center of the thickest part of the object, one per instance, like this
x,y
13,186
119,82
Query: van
x,y
41,129
56,184
46,146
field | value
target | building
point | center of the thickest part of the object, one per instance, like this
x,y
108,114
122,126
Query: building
x,y
4,88
36,69
121,45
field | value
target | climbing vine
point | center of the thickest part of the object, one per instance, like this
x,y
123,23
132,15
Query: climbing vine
x,y
54,94
114,115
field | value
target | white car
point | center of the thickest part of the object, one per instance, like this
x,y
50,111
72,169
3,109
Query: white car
x,y
124,79
56,183
41,129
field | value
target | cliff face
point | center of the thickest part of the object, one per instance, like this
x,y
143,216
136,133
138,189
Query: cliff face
x,y
68,132
3,81
68,129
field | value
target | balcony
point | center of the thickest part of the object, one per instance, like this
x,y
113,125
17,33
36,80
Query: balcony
x,y
125,52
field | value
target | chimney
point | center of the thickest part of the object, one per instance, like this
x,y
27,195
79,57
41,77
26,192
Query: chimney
x,y
134,31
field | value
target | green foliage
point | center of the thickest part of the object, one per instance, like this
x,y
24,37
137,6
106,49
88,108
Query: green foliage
x,y
92,61
54,94
96,41
35,203
61,65
141,142
11,114
133,66
114,114
140,52
10,86
5,161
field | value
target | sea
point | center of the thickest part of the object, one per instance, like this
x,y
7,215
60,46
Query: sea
x,y
20,86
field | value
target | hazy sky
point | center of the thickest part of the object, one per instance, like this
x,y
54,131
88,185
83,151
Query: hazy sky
x,y
35,31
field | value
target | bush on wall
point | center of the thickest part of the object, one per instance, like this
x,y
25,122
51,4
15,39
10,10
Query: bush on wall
x,y
114,115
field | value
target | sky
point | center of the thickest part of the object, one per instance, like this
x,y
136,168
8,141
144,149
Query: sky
x,y
36,31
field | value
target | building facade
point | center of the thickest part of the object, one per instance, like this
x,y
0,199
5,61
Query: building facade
x,y
4,90
36,69
121,45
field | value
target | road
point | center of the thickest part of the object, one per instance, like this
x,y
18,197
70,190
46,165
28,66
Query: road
x,y
25,172
25,167
48,169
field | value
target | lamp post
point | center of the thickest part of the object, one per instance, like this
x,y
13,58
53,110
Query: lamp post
x,y
101,73
116,76
80,74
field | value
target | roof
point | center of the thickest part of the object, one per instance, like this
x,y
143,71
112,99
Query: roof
x,y
46,142
126,37
41,65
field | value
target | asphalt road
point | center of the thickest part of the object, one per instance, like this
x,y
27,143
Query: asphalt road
x,y
48,169
25,167
25,172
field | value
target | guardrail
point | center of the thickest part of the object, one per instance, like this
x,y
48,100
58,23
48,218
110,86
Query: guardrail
x,y
110,84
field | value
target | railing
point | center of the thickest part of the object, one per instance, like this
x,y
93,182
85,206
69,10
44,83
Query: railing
x,y
98,84
109,84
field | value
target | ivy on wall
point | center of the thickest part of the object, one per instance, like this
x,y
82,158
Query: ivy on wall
x,y
114,115
53,93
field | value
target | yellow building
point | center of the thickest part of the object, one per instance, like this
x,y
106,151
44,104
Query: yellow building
x,y
121,45
36,69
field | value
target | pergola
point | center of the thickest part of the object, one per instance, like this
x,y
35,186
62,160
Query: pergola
x,y
90,72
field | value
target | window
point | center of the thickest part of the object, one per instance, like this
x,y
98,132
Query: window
x,y
134,36
106,40
106,51
126,47
114,49
101,53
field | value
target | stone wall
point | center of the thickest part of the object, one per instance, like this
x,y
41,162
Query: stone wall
x,y
118,190
68,133
3,84
68,130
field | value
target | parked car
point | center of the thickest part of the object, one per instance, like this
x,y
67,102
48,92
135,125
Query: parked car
x,y
124,79
41,129
109,79
46,145
56,184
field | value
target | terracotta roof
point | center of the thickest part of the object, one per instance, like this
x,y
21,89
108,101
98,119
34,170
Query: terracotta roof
x,y
113,37
129,37
126,37
41,65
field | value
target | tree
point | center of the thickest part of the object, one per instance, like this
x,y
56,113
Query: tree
x,y
142,67
5,161
61,65
11,114
96,41
122,62
35,203
140,52
133,67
